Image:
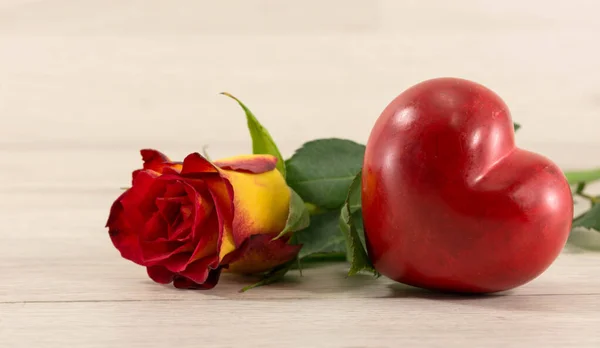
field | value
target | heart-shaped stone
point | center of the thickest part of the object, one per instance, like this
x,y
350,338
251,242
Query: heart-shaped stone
x,y
450,203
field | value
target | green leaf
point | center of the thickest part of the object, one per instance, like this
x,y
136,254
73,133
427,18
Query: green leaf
x,y
590,219
580,187
353,202
323,236
313,209
321,170
262,142
587,176
516,126
351,224
275,275
324,257
298,217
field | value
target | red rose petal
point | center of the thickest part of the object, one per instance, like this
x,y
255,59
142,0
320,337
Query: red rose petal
x,y
157,161
194,163
156,252
123,235
255,164
125,242
206,237
183,232
175,190
201,202
178,262
153,156
205,247
160,274
199,185
154,228
198,271
222,196
126,220
136,195
210,282
146,187
169,207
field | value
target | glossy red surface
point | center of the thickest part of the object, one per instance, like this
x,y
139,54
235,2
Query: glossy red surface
x,y
449,202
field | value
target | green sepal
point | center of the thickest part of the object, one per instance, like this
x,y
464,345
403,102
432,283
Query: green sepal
x,y
350,222
298,217
262,142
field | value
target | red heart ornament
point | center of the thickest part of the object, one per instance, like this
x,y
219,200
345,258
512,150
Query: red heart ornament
x,y
450,203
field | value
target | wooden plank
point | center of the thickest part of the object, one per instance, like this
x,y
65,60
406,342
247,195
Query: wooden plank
x,y
85,267
516,321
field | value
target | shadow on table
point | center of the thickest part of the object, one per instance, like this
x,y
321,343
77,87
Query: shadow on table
x,y
336,285
327,282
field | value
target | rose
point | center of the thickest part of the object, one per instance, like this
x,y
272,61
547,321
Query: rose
x,y
187,221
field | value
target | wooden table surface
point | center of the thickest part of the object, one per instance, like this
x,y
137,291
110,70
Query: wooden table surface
x,y
85,84
63,285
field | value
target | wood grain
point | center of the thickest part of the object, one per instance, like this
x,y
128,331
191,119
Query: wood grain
x,y
85,84
389,322
63,284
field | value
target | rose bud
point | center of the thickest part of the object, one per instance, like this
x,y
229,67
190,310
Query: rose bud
x,y
186,221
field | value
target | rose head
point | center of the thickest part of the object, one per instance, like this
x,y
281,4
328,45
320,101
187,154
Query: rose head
x,y
186,221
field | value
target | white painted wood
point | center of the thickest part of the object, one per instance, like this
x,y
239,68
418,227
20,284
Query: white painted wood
x,y
129,74
63,284
85,84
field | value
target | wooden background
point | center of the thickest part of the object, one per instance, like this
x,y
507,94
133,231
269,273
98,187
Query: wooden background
x,y
85,84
